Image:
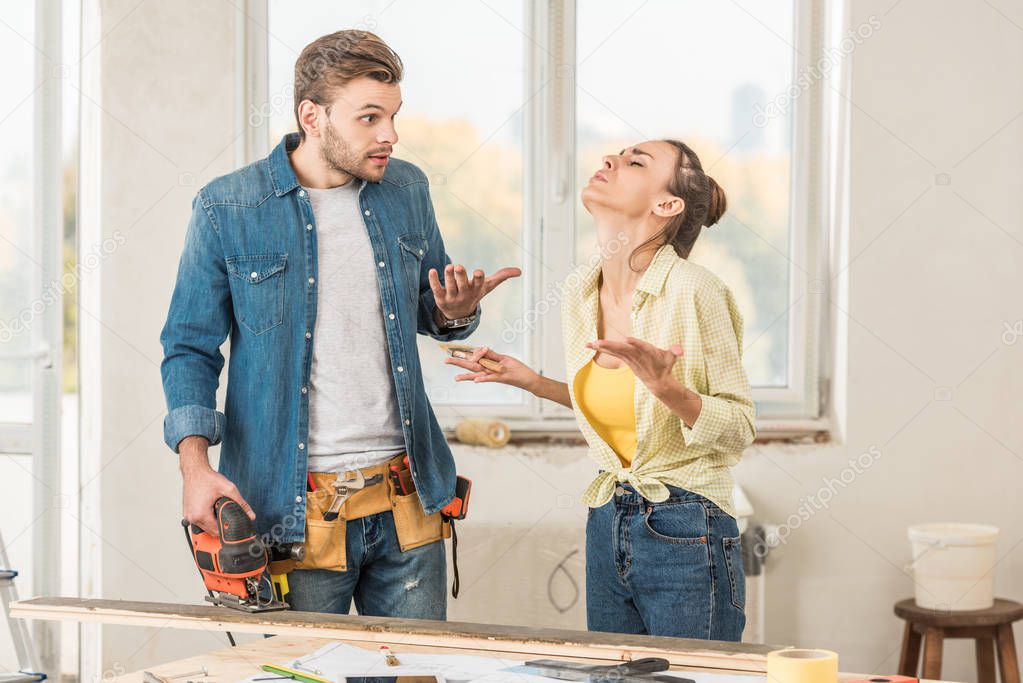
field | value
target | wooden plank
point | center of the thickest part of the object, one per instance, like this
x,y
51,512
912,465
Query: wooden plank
x,y
487,638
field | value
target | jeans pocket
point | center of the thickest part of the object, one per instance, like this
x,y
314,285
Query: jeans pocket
x,y
413,250
257,288
679,523
732,547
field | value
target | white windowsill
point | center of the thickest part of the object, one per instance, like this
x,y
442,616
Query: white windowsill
x,y
795,430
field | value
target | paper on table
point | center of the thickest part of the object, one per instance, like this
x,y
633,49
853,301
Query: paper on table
x,y
338,660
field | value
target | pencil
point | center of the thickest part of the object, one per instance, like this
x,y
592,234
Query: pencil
x,y
291,673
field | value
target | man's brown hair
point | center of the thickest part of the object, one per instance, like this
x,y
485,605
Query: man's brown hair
x,y
332,61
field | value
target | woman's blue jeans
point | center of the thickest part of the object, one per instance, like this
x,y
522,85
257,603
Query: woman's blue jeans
x,y
672,568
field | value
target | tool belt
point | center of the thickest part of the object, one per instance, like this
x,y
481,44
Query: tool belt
x,y
326,524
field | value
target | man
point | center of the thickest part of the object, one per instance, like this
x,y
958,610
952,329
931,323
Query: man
x,y
323,261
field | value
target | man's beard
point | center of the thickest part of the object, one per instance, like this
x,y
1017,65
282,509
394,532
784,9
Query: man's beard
x,y
340,157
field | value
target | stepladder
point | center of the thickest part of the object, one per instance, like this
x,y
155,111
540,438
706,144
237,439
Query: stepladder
x,y
24,648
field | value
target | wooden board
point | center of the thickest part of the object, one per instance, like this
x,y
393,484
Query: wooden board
x,y
468,637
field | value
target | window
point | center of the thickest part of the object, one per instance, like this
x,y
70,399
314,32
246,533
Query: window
x,y
629,56
718,76
38,313
17,215
509,108
464,130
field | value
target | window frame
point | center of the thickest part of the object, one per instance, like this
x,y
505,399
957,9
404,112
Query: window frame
x,y
549,203
40,439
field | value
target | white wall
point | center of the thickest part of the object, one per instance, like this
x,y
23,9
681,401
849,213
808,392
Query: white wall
x,y
166,110
934,280
932,283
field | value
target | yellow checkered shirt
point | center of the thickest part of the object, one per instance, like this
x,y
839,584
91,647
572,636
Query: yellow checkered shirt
x,y
675,302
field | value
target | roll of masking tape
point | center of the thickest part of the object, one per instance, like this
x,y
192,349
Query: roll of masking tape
x,y
802,666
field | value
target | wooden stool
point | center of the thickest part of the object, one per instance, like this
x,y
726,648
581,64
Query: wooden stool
x,y
985,626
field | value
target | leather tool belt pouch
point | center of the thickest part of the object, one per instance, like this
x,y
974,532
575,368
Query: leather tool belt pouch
x,y
325,541
413,526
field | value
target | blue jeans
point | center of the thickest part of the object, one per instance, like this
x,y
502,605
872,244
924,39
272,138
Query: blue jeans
x,y
672,568
383,580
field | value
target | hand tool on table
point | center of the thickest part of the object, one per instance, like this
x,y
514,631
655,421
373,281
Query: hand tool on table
x,y
636,671
389,657
464,352
233,566
202,672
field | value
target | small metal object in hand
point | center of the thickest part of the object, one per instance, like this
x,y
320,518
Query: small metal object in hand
x,y
465,351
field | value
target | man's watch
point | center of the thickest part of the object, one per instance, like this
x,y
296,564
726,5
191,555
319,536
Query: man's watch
x,y
457,322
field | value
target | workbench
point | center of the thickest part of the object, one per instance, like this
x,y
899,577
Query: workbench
x,y
300,633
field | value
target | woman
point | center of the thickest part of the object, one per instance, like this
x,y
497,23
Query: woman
x,y
655,378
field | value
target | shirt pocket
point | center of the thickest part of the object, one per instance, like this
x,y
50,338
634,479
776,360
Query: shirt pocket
x,y
257,287
413,251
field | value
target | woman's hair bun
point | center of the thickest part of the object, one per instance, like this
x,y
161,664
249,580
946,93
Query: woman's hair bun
x,y
718,203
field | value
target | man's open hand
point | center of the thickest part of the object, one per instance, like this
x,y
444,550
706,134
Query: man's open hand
x,y
460,293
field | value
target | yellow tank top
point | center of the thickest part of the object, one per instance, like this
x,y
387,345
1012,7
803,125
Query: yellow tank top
x,y
605,397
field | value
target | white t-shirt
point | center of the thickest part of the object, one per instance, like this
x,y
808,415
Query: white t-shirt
x,y
354,420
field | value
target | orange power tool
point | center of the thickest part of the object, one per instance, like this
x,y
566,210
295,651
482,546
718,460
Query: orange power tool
x,y
233,566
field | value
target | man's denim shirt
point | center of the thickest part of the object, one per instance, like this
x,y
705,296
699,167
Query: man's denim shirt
x,y
249,269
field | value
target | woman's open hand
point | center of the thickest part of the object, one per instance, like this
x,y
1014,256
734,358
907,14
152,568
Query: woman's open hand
x,y
513,372
650,364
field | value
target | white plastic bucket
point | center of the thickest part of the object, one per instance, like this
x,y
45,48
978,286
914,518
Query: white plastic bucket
x,y
953,565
